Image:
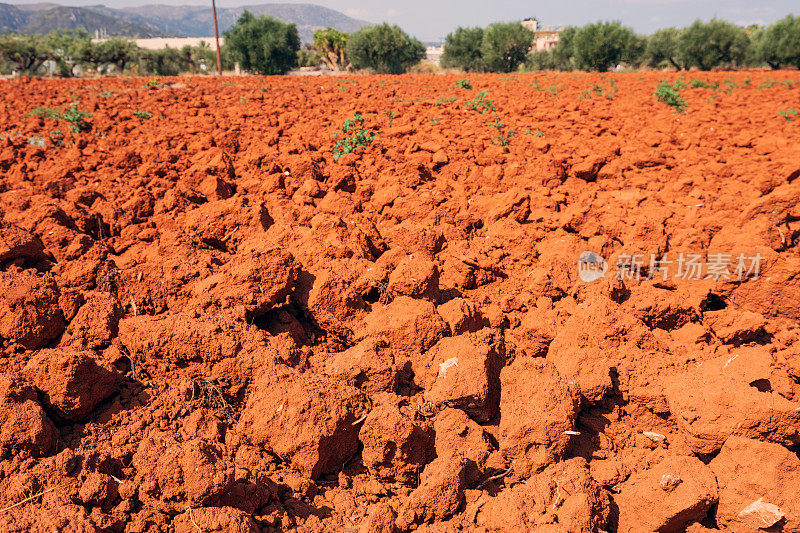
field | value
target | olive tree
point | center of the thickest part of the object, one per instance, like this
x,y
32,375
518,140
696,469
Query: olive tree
x,y
263,44
713,44
505,46
462,49
384,49
602,45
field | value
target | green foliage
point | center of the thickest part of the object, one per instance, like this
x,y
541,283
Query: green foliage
x,y
609,93
72,114
391,116
670,94
663,48
27,52
462,50
263,44
541,60
57,137
76,117
505,46
481,104
116,51
463,83
698,84
384,49
358,138
331,45
603,45
503,138
435,120
712,44
68,48
442,101
45,112
308,56
779,43
143,114
788,114
564,52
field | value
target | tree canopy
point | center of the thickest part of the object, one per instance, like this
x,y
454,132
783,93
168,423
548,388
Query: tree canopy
x,y
263,44
384,49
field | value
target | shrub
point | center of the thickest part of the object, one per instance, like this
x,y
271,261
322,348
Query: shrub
x,y
670,94
779,43
481,104
662,47
462,49
263,44
463,83
505,46
384,49
360,137
602,45
713,44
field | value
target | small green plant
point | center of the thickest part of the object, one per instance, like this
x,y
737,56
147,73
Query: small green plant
x,y
359,137
435,120
76,117
143,114
502,138
670,95
730,83
585,95
788,114
463,83
538,133
106,94
242,100
481,104
610,93
700,84
57,137
443,100
391,116
770,83
45,112
152,84
73,115
536,86
553,90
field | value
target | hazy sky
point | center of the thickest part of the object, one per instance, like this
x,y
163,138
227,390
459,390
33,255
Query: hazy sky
x,y
431,20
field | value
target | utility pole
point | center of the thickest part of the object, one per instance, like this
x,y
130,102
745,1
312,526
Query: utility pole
x,y
216,35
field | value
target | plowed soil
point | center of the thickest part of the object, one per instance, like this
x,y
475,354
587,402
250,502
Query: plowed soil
x,y
210,324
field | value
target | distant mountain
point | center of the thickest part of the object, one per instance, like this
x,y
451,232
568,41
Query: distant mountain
x,y
11,18
165,21
73,18
44,18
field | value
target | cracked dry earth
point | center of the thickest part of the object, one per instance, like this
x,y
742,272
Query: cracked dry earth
x,y
209,324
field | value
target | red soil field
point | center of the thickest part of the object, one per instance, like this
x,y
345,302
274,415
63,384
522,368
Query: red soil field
x,y
210,324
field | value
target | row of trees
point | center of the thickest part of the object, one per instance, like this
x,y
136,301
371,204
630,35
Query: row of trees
x,y
604,45
262,44
69,53
269,46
